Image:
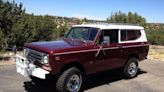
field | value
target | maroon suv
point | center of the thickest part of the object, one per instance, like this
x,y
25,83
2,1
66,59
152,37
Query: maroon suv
x,y
84,50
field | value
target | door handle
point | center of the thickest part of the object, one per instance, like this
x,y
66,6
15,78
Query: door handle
x,y
100,48
98,51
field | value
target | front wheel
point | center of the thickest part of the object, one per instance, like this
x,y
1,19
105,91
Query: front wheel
x,y
131,68
69,81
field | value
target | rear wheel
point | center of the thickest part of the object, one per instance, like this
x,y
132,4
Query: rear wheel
x,y
70,80
131,68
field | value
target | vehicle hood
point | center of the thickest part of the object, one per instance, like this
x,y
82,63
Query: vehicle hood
x,y
48,46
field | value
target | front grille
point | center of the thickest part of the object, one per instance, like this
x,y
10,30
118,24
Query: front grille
x,y
35,56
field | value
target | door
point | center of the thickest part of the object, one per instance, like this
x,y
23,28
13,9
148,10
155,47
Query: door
x,y
109,53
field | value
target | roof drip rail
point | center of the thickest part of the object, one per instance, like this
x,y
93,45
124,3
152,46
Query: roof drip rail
x,y
107,24
124,24
97,23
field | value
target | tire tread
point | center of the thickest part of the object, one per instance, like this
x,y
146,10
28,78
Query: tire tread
x,y
62,79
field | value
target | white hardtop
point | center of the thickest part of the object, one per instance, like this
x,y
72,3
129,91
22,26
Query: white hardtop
x,y
111,26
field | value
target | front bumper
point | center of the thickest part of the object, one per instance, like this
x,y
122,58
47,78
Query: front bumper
x,y
25,68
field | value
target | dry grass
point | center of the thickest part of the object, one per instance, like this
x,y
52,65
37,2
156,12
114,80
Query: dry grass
x,y
7,58
156,53
10,62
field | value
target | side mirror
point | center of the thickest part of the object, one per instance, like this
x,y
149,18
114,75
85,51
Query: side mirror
x,y
106,40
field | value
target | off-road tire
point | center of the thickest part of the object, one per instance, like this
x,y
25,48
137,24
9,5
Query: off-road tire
x,y
61,84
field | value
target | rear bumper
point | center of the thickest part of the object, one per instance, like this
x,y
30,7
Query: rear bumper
x,y
25,68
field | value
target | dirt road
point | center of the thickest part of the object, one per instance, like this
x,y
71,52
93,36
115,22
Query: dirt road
x,y
150,79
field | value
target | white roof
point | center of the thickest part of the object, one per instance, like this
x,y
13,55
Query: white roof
x,y
110,26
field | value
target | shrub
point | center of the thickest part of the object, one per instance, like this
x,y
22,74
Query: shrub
x,y
155,37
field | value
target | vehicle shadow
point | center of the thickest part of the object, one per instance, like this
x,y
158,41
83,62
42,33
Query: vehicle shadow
x,y
106,77
92,81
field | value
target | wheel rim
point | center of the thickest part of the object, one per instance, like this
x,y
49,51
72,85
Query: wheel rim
x,y
74,83
132,69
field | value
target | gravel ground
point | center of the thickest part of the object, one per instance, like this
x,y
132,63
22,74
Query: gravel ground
x,y
150,79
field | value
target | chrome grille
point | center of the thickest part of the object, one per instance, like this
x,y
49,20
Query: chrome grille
x,y
35,56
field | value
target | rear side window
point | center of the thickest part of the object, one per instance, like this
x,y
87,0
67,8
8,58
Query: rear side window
x,y
127,35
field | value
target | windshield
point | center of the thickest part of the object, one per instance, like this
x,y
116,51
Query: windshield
x,y
82,33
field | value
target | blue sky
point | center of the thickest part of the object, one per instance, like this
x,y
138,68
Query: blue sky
x,y
152,10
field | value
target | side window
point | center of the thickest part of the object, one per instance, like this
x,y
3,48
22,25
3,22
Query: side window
x,y
112,35
127,35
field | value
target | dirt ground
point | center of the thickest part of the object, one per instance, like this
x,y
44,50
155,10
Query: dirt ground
x,y
150,79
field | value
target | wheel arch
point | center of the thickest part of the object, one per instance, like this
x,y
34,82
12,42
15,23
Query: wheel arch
x,y
73,64
133,55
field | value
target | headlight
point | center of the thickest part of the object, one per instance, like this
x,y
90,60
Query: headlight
x,y
45,59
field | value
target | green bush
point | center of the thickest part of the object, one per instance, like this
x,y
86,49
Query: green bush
x,y
17,27
155,37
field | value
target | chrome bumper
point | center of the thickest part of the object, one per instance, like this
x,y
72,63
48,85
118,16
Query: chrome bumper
x,y
25,68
